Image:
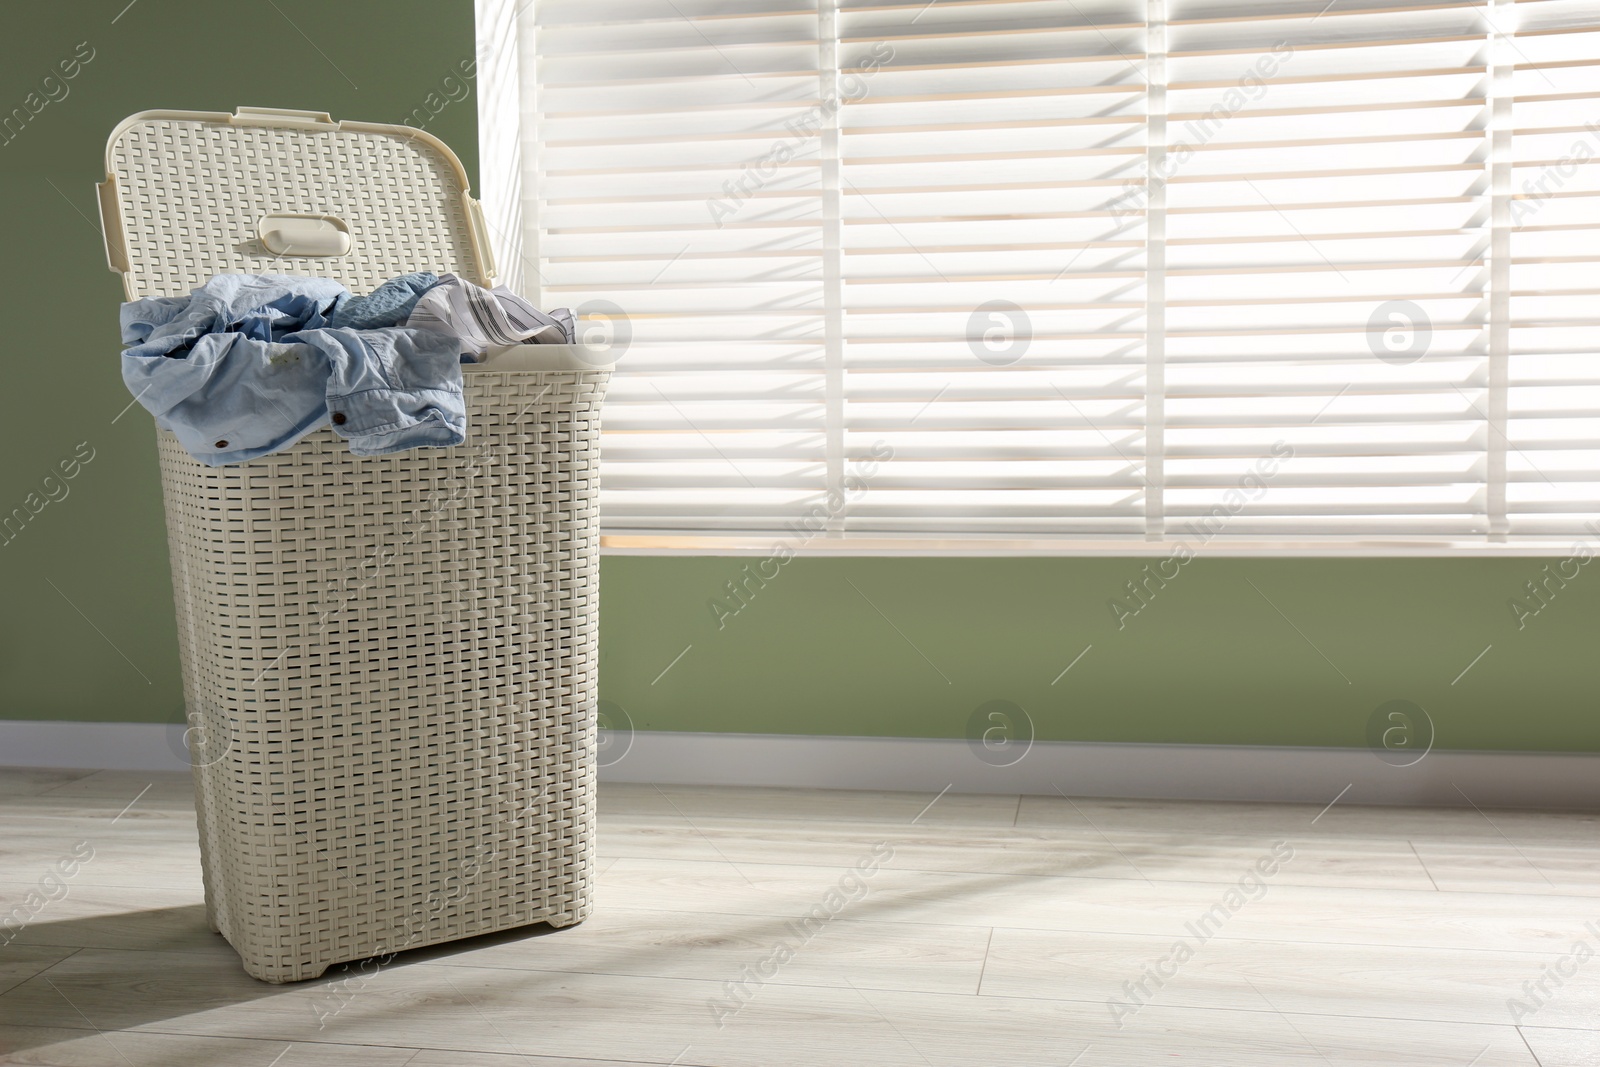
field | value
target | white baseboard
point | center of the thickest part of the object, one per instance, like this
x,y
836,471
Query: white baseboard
x,y
1179,772
111,746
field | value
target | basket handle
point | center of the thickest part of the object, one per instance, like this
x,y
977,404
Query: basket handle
x,y
480,234
111,226
277,116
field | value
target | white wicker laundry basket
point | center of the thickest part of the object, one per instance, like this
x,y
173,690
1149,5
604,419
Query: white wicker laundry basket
x,y
389,663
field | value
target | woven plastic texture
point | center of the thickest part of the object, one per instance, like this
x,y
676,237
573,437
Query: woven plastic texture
x,y
389,662
192,192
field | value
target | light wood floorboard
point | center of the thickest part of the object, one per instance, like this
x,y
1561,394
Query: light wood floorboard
x,y
1298,821
1118,854
27,781
1418,918
1563,1048
983,930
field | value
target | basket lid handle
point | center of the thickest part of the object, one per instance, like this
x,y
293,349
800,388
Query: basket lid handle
x,y
277,116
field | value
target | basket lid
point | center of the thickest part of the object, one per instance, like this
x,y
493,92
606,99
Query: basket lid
x,y
262,191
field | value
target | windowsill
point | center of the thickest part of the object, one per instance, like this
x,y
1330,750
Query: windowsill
x,y
858,544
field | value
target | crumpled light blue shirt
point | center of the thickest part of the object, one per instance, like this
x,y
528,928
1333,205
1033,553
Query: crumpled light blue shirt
x,y
247,365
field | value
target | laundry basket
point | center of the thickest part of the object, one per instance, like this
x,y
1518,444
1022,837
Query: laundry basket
x,y
389,662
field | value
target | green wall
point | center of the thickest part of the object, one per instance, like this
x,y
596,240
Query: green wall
x,y
849,646
913,646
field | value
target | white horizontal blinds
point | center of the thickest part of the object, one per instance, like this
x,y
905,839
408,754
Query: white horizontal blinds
x,y
1082,267
993,270
1553,403
680,180
1329,223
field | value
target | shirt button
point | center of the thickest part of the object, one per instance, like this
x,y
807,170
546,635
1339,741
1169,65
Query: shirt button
x,y
338,418
222,444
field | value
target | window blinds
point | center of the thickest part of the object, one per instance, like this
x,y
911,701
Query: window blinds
x,y
1119,269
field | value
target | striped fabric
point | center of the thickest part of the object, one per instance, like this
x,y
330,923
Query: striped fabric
x,y
483,318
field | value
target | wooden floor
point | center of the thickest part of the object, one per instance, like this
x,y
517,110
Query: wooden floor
x,y
983,930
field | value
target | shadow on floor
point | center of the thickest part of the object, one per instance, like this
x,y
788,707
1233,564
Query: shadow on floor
x,y
46,979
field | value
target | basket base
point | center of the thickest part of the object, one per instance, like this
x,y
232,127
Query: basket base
x,y
308,970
